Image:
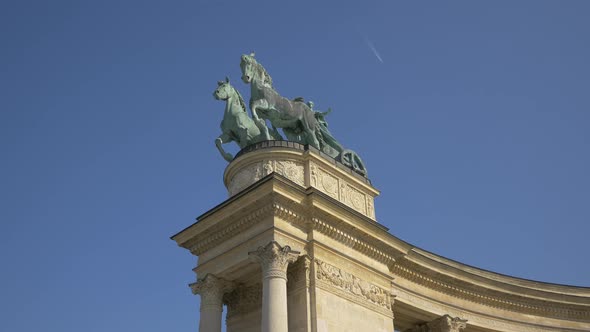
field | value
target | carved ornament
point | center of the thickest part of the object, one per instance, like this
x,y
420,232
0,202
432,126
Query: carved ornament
x,y
274,259
362,289
211,290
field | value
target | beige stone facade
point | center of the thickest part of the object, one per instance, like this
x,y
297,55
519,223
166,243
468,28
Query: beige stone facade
x,y
296,247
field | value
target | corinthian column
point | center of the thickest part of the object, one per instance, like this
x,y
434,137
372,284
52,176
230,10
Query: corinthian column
x,y
211,290
274,260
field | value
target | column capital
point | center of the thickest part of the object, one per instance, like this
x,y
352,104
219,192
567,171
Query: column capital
x,y
274,259
211,290
445,323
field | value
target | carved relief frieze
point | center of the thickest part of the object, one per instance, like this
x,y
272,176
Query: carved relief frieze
x,y
348,282
248,175
353,197
291,170
341,190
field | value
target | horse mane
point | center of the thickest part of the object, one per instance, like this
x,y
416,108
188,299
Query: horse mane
x,y
240,99
267,77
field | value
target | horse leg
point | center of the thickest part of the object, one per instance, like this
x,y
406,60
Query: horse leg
x,y
260,123
276,135
222,139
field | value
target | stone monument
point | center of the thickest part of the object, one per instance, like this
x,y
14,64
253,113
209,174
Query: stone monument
x,y
296,246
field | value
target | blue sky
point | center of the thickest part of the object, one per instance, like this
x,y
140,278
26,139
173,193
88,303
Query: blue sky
x,y
475,126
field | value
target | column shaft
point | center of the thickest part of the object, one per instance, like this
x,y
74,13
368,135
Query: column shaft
x,y
210,320
211,290
274,261
274,305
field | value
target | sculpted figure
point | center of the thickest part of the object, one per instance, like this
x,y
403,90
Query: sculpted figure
x,y
332,147
300,123
236,124
294,116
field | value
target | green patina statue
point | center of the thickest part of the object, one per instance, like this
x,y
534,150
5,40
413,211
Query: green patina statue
x,y
236,124
293,116
298,120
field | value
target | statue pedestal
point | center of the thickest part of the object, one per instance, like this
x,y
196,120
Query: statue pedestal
x,y
306,167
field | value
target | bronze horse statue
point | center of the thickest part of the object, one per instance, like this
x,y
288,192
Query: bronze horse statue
x,y
236,124
294,116
300,123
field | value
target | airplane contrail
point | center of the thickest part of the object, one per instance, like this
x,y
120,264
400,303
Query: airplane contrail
x,y
372,48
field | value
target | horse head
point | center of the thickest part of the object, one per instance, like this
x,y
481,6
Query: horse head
x,y
223,90
252,70
248,65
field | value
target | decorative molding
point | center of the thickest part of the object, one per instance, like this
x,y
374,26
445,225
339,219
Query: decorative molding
x,y
355,286
224,230
289,214
357,240
353,238
274,259
408,297
488,297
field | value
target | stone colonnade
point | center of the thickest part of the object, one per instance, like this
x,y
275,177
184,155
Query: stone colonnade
x,y
274,260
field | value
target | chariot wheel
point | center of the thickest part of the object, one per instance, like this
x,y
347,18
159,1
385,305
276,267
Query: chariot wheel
x,y
351,159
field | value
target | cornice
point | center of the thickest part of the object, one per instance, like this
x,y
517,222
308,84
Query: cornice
x,y
352,237
464,290
226,229
357,240
412,299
